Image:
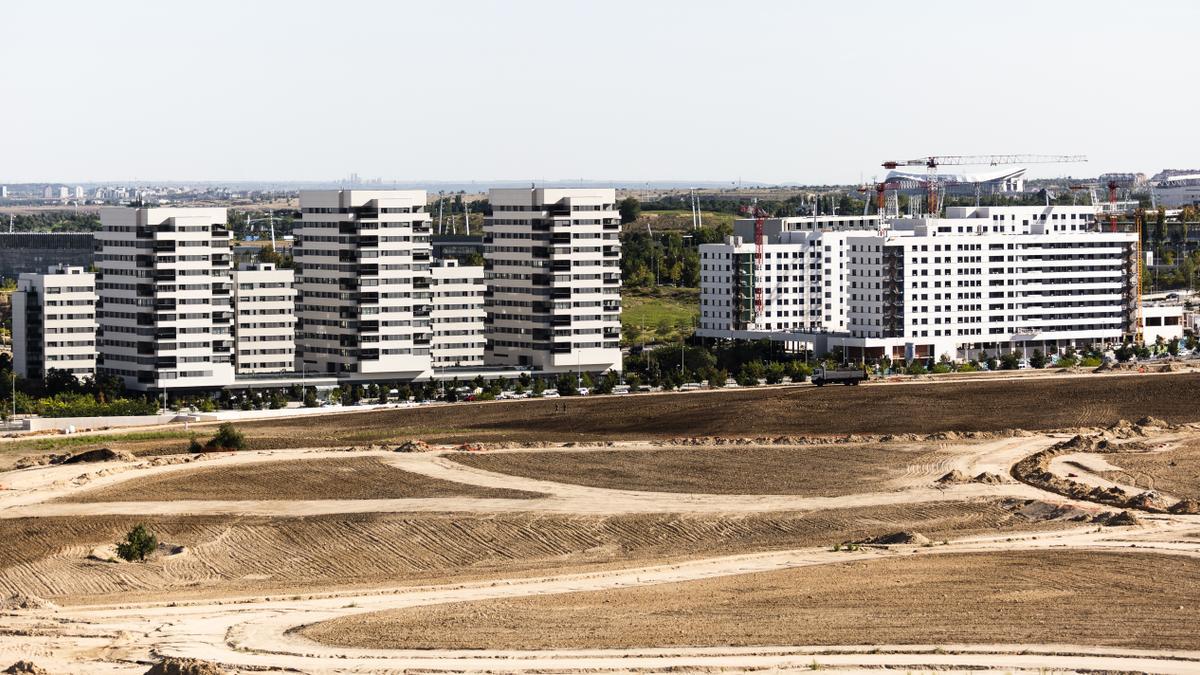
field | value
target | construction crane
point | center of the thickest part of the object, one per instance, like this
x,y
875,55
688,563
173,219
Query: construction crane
x,y
882,206
760,217
932,162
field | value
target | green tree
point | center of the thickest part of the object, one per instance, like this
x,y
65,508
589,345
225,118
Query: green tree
x,y
310,397
138,545
1037,359
630,209
227,438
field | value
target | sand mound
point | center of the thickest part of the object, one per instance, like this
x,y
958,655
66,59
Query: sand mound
x,y
26,667
954,476
184,667
415,445
1152,422
25,601
898,538
100,455
1148,501
1186,506
988,478
1123,518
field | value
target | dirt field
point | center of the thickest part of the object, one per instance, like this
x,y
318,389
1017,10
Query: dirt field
x,y
336,478
1175,472
815,471
908,408
1062,597
919,407
48,557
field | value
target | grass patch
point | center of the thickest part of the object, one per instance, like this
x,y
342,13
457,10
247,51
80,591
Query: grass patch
x,y
658,315
75,442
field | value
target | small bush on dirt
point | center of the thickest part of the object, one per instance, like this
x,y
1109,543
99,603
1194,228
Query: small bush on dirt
x,y
228,437
194,445
139,543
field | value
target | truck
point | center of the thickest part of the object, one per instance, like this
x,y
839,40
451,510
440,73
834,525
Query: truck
x,y
847,376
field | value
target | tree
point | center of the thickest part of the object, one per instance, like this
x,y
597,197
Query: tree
x,y
310,397
227,438
630,209
138,545
566,385
775,373
1010,361
1038,359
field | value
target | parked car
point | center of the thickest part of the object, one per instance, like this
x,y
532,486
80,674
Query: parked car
x,y
584,391
620,389
550,393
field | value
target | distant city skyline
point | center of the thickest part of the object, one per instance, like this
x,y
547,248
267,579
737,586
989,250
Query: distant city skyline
x,y
613,92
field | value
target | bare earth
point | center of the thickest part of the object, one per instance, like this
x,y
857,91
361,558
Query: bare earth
x,y
1175,471
815,470
48,557
340,478
648,557
1059,596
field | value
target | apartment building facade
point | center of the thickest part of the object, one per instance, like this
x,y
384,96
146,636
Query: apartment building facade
x,y
457,315
980,279
992,279
802,280
553,271
165,320
264,307
54,322
363,278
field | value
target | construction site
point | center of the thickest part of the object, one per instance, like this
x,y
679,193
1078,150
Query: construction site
x,y
1047,522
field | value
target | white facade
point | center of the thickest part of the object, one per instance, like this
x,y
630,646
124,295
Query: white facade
x,y
54,322
553,269
992,279
165,319
363,276
458,315
1164,321
980,279
803,277
264,307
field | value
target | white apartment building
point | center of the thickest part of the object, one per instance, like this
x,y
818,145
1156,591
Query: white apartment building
x,y
803,277
363,280
992,279
980,279
165,319
54,322
457,315
553,269
264,308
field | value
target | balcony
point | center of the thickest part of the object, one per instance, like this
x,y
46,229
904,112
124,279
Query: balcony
x,y
164,305
560,320
220,232
367,212
164,246
560,266
561,238
612,252
560,348
612,279
165,334
560,293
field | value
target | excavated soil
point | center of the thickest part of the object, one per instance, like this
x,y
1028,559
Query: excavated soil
x,y
1064,597
48,557
334,478
814,471
1175,472
891,409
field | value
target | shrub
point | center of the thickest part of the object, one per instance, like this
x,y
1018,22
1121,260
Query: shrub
x,y
915,368
139,543
194,445
1038,359
942,368
775,373
967,367
228,437
310,397
1090,362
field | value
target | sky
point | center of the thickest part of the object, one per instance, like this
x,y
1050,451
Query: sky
x,y
780,92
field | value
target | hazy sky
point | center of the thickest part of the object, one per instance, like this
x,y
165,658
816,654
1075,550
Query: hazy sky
x,y
775,91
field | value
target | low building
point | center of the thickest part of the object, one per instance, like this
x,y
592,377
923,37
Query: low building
x,y
457,315
54,322
1165,320
264,309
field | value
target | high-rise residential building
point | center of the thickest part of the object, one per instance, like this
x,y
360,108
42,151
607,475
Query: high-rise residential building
x,y
553,270
54,322
165,317
802,281
363,281
3,192
990,279
78,192
264,307
458,315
